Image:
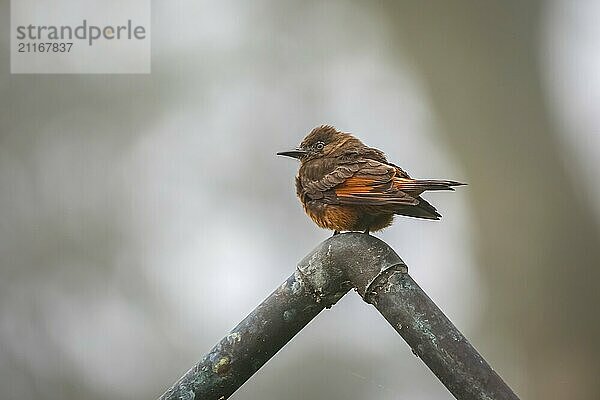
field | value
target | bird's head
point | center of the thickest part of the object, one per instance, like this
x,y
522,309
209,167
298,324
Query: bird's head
x,y
322,141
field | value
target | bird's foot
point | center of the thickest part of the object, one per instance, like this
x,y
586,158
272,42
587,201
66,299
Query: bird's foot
x,y
336,233
366,232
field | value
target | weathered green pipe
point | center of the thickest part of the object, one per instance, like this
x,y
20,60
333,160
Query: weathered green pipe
x,y
315,285
321,279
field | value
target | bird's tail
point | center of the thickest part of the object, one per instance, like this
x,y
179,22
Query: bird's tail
x,y
422,185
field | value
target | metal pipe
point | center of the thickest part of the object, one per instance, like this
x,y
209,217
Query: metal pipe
x,y
314,286
321,279
425,328
434,339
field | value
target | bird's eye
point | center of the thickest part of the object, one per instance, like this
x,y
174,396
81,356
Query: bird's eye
x,y
320,145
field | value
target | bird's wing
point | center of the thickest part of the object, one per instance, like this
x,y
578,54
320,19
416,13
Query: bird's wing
x,y
362,182
400,172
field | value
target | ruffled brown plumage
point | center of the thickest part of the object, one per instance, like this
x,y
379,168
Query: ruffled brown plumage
x,y
345,185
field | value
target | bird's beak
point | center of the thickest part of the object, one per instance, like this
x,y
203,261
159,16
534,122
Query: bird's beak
x,y
297,153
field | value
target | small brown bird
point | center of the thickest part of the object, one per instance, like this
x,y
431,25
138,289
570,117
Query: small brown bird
x,y
344,185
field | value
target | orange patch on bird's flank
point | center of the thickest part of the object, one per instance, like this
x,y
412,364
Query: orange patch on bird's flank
x,y
339,218
334,217
350,190
355,185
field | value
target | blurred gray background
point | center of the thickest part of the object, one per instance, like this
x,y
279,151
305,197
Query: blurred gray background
x,y
141,217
